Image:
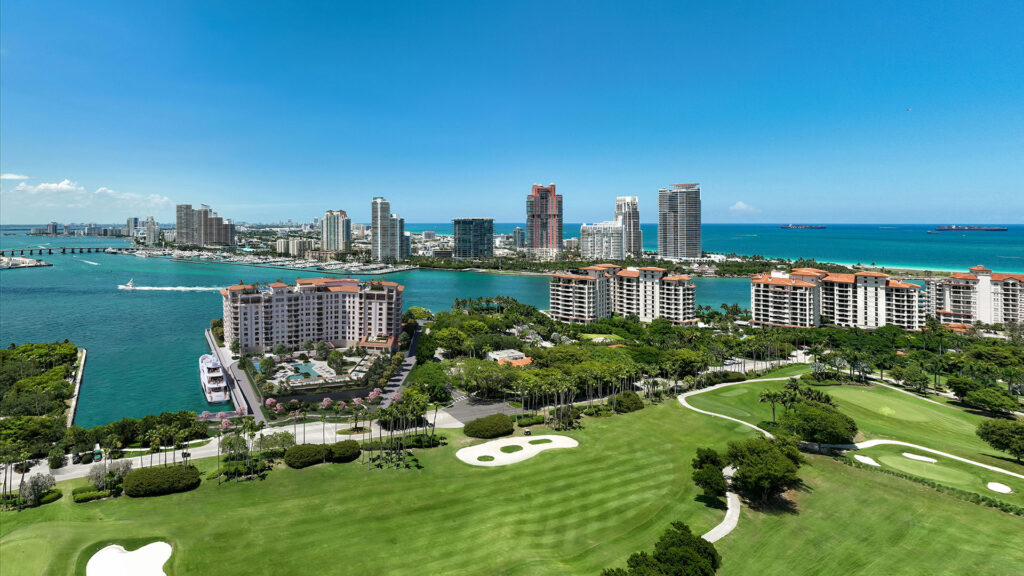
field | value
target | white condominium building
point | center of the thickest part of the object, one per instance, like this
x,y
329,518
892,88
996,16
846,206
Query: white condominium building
x,y
341,311
861,300
679,221
388,242
627,211
600,291
979,296
603,241
778,300
336,231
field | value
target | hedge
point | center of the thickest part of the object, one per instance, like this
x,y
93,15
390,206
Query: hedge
x,y
627,401
302,455
53,495
344,451
524,420
158,480
86,496
489,426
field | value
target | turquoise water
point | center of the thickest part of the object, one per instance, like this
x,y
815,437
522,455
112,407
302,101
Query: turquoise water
x,y
144,345
304,367
894,245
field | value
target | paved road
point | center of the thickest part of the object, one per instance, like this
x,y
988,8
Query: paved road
x,y
732,511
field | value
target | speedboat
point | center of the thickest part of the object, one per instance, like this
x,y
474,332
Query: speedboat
x,y
129,286
211,376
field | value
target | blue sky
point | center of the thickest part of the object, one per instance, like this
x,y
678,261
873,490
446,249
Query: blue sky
x,y
783,111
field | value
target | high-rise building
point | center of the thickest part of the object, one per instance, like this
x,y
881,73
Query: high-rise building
x,y
627,211
298,247
599,291
429,235
340,311
336,231
387,234
474,237
679,221
132,227
603,241
405,247
978,295
51,228
152,231
805,296
281,246
519,237
202,227
544,221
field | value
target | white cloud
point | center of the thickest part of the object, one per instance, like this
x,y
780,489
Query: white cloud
x,y
742,207
10,176
67,199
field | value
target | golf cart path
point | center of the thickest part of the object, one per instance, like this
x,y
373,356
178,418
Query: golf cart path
x,y
732,514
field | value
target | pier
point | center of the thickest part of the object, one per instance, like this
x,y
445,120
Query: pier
x,y
80,369
242,393
66,250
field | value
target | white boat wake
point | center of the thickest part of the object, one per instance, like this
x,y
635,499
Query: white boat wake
x,y
91,262
170,288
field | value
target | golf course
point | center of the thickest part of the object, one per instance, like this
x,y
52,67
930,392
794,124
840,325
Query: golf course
x,y
574,511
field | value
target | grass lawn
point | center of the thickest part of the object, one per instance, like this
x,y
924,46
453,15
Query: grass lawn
x,y
946,471
854,521
787,371
879,412
614,337
563,512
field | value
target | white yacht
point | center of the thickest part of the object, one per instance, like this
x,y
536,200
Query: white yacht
x,y
129,286
212,377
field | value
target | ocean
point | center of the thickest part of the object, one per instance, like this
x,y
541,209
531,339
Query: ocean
x,y
144,344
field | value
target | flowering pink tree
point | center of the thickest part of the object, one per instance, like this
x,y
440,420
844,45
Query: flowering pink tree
x,y
374,395
398,396
225,424
270,403
222,415
205,415
341,406
326,404
357,403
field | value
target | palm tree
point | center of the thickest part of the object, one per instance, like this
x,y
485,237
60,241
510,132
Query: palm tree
x,y
772,397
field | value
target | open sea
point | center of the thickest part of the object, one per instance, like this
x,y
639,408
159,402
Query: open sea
x,y
144,345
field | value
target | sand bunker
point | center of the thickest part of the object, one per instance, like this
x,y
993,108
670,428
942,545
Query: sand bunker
x,y
491,453
919,457
997,487
866,460
114,560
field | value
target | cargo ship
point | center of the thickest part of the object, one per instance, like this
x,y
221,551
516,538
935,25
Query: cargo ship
x,y
802,227
957,228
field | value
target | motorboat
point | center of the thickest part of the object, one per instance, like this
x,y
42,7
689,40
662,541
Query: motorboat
x,y
211,375
129,286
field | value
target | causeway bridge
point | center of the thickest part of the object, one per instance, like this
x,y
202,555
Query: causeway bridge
x,y
65,250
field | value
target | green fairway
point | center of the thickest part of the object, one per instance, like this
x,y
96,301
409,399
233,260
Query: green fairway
x,y
787,371
946,471
564,511
610,337
880,412
854,521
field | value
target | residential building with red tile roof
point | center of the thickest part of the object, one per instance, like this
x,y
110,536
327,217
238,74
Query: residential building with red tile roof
x,y
978,296
605,289
342,311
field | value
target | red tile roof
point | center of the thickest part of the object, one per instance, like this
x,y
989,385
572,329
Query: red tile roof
x,y
518,363
242,287
1005,277
962,276
897,283
809,272
779,281
840,278
628,273
677,279
979,268
573,277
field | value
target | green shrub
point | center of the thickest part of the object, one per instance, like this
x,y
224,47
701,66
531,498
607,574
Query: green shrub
x,y
627,401
489,426
90,495
524,420
158,480
344,451
83,489
302,455
724,376
57,458
52,496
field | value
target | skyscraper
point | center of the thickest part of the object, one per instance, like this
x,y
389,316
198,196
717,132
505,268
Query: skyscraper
x,y
336,231
544,221
519,237
627,211
679,221
387,236
603,241
152,231
202,227
474,237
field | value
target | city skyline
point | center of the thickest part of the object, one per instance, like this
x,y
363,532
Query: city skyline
x,y
783,114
